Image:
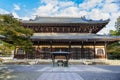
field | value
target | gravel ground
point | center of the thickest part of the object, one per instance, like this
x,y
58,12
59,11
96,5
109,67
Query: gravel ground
x,y
47,72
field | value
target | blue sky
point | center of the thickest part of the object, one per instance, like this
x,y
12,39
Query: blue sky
x,y
92,9
27,6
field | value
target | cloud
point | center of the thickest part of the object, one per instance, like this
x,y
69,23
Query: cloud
x,y
55,8
97,14
16,7
110,7
2,11
21,17
92,9
66,4
15,15
111,24
54,2
90,4
45,10
96,9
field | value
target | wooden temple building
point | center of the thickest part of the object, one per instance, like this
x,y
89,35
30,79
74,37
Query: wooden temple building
x,y
75,35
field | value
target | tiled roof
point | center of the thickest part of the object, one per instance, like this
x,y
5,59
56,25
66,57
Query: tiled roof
x,y
64,20
73,36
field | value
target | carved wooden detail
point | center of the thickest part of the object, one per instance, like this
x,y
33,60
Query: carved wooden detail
x,y
65,28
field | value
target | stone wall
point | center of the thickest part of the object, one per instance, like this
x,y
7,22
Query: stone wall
x,y
113,62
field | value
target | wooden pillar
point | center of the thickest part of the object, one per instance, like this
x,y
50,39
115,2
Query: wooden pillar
x,y
50,46
69,46
37,50
94,49
105,49
67,57
15,52
82,50
70,49
53,60
40,54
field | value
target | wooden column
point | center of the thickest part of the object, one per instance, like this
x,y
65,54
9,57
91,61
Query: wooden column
x,y
69,46
40,43
66,64
94,49
82,50
70,49
15,52
53,60
37,50
105,49
50,46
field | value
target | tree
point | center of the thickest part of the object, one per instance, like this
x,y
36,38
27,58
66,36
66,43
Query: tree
x,y
6,48
114,48
117,26
13,31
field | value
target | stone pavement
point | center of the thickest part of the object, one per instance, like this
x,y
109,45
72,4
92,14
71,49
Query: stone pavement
x,y
60,76
47,72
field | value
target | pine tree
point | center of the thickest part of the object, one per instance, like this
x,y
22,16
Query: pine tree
x,y
14,33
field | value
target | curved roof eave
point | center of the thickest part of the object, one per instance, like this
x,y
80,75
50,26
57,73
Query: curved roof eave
x,y
64,20
88,37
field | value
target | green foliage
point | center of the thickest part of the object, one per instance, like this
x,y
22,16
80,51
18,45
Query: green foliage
x,y
114,33
14,32
6,48
114,48
117,24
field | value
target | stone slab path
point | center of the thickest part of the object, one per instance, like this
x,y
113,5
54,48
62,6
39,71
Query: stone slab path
x,y
73,69
48,72
60,76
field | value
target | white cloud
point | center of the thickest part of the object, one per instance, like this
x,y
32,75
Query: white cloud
x,y
111,24
110,7
92,9
16,7
109,1
45,10
89,4
66,4
23,17
70,11
2,11
57,8
15,15
54,2
97,14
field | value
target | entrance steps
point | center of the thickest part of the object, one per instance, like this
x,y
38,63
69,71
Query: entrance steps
x,y
49,61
